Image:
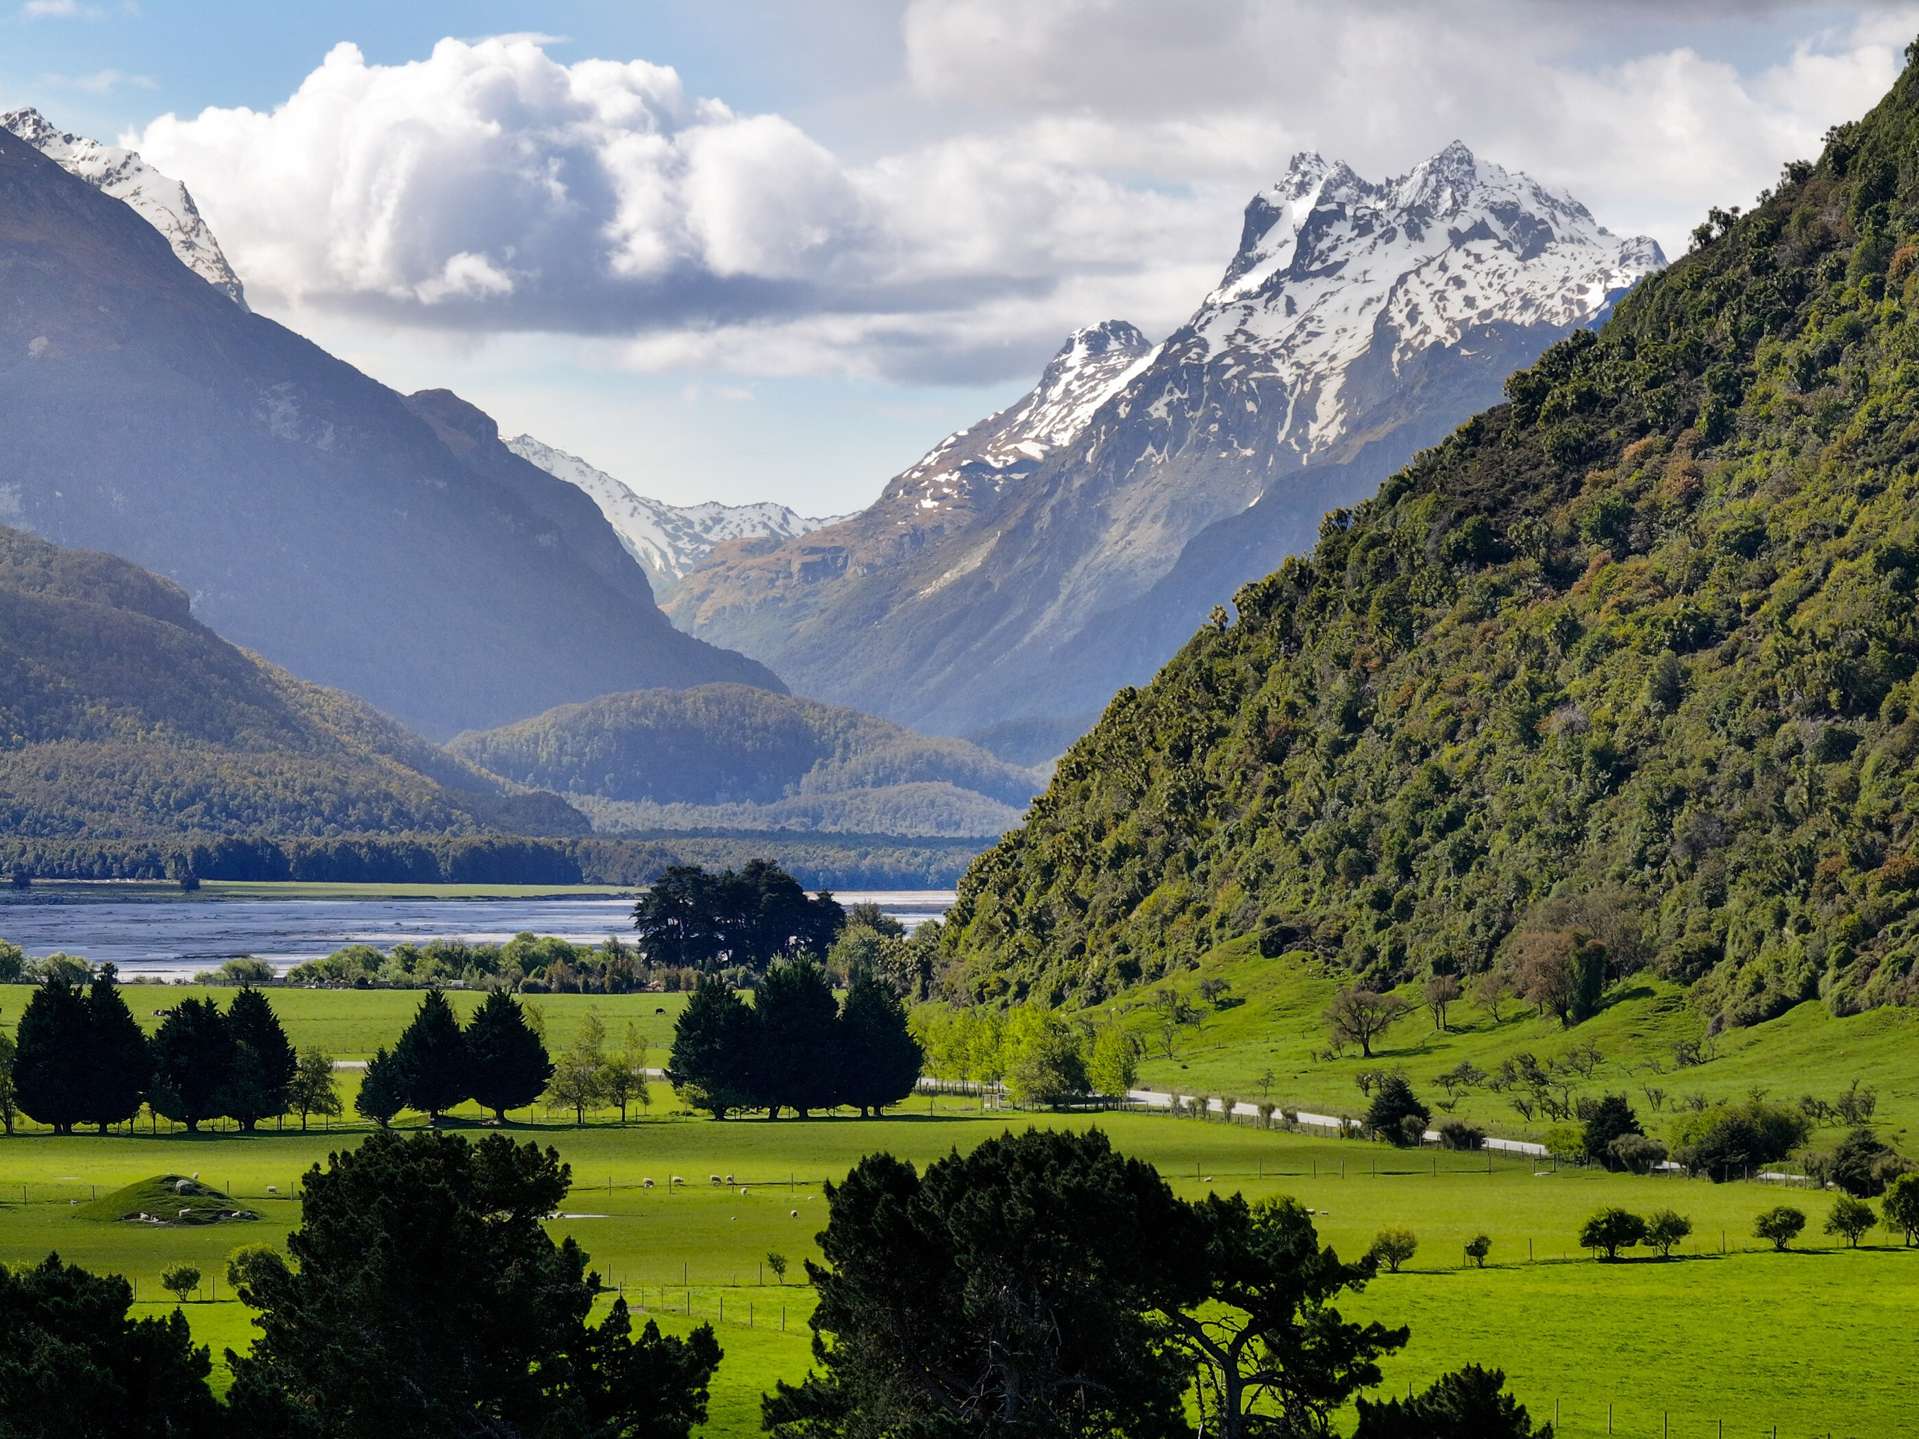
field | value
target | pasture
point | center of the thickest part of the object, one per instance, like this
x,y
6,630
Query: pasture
x,y
1813,1341
1269,1042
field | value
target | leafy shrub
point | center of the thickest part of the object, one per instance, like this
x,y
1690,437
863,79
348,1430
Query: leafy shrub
x,y
1393,1247
1477,1248
1726,1140
1636,1153
1457,1134
1664,1229
1611,1230
1850,1218
1779,1225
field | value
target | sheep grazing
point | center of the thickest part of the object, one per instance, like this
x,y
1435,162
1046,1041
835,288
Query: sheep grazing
x,y
742,1191
646,1184
678,1180
717,1181
729,1179
273,1189
792,1214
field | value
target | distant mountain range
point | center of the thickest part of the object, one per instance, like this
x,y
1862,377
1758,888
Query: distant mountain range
x,y
1027,568
394,547
734,757
667,540
121,715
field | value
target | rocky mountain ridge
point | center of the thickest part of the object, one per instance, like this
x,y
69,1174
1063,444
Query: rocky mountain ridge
x,y
160,200
1356,323
669,541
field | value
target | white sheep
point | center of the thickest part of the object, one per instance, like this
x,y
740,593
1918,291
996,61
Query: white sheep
x,y
716,1180
792,1214
678,1180
742,1191
729,1179
646,1184
273,1189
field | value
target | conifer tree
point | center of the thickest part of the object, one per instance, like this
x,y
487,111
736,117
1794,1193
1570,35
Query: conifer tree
x,y
119,1065
432,1059
50,1058
879,1060
263,1060
380,1096
796,1060
712,1048
192,1063
507,1061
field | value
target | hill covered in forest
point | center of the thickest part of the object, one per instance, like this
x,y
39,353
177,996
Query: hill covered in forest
x,y
738,757
122,715
1630,654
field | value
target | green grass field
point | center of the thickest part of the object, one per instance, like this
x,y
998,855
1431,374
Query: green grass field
x,y
1810,1341
352,1023
1263,1047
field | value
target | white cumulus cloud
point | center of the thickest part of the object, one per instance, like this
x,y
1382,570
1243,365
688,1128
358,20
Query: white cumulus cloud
x,y
1071,162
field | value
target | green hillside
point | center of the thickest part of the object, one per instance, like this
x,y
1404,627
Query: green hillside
x,y
122,715
731,756
1631,654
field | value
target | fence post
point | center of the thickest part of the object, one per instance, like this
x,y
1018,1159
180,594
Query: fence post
x,y
1609,1416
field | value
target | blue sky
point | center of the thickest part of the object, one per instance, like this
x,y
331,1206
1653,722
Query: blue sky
x,y
800,243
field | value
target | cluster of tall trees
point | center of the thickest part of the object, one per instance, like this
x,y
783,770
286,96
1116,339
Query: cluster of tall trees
x,y
498,1060
795,1047
81,1058
1045,1285
742,919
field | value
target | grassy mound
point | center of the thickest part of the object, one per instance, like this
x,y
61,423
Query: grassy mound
x,y
166,1199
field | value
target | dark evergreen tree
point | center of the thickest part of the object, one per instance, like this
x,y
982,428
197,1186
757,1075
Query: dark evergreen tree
x,y
382,1091
879,1060
795,1062
1609,1118
263,1061
713,1043
50,1061
507,1061
192,1063
1396,1114
1012,1291
74,1363
1470,1403
425,1298
119,1063
747,917
432,1059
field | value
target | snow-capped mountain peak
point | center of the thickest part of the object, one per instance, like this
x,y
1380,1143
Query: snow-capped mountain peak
x,y
160,200
667,540
1095,363
1331,267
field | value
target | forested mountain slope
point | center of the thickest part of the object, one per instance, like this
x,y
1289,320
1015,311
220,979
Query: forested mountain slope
x,y
732,756
1645,632
121,715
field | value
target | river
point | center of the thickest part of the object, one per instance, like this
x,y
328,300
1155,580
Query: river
x,y
173,938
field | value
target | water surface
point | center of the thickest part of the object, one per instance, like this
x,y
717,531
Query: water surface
x,y
168,937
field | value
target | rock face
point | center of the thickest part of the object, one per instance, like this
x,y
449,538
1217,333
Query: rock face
x,y
1029,567
667,540
160,200
389,547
